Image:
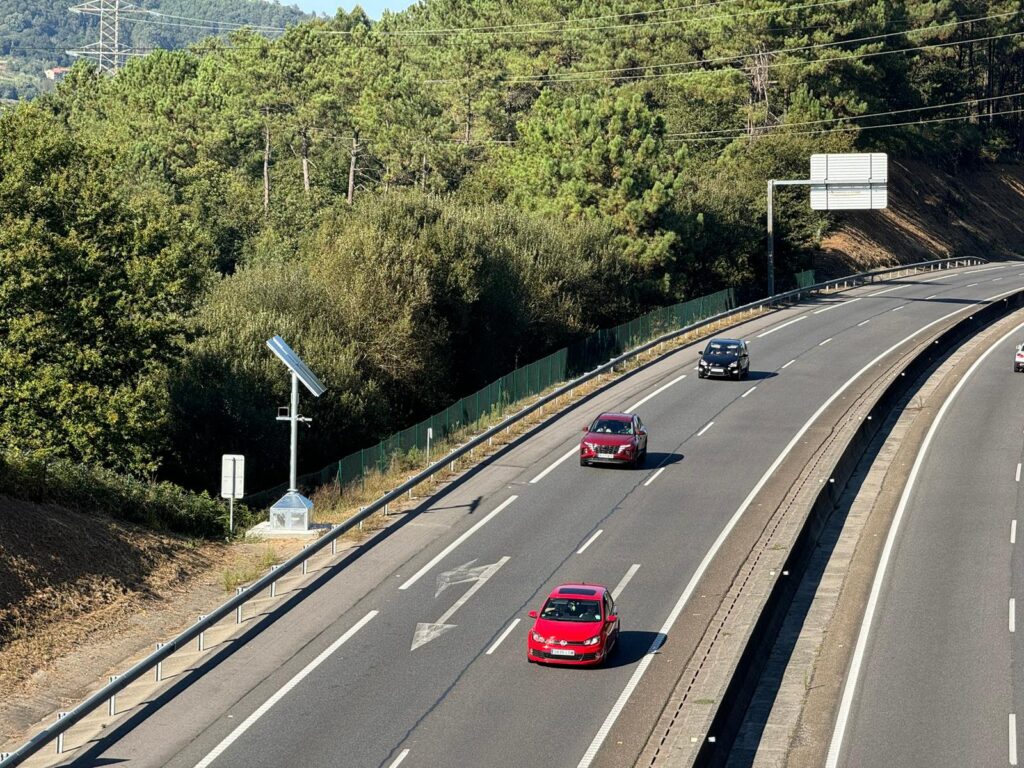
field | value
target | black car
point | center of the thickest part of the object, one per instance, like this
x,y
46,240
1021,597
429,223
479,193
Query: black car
x,y
724,357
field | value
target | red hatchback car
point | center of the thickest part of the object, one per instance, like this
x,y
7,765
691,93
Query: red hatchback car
x,y
577,626
614,438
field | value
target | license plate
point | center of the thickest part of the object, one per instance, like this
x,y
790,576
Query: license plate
x,y
718,370
606,455
562,652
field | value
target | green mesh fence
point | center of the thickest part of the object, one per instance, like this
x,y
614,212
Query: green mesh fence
x,y
804,279
493,400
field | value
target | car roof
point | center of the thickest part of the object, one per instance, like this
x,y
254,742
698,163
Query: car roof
x,y
578,590
614,416
725,341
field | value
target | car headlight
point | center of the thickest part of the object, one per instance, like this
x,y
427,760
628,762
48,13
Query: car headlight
x,y
625,448
733,364
703,363
538,638
590,446
593,641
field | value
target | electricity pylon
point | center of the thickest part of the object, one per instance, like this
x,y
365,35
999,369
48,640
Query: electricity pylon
x,y
109,53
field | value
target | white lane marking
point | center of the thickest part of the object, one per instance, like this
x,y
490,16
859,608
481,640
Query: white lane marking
x,y
990,298
590,541
1013,531
788,364
431,630
751,389
984,269
971,285
654,476
574,450
1013,615
927,298
283,691
658,391
501,638
1013,739
996,279
863,322
448,550
1017,477
887,290
853,674
780,327
826,341
625,580
705,429
897,309
837,304
398,760
944,277
645,662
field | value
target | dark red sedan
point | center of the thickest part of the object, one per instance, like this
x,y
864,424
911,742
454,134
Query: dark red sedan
x,y
614,438
577,626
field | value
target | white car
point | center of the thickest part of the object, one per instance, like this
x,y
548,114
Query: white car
x,y
1018,359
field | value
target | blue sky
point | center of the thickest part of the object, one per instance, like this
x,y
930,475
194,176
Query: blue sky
x,y
372,7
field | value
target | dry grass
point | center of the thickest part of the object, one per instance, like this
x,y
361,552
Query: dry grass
x,y
249,567
334,504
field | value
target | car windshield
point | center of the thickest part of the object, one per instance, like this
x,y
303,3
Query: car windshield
x,y
569,609
612,427
722,348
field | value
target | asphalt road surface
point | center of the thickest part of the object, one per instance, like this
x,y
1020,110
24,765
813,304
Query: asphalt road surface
x,y
940,678
359,673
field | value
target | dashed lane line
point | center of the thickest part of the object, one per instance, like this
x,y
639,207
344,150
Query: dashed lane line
x,y
589,541
501,638
780,327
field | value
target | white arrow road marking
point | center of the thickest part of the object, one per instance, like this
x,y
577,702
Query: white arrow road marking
x,y
448,550
265,707
427,632
460,575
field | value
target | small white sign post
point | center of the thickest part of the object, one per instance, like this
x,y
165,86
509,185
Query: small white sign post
x,y
232,483
851,181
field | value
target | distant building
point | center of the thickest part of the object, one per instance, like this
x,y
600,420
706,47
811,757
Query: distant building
x,y
57,73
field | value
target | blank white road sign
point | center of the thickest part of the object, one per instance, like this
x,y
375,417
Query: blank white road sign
x,y
861,177
232,476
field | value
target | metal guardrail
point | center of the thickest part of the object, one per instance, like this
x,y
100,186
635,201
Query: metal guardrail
x,y
68,719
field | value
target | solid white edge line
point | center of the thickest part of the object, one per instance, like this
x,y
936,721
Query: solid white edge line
x,y
788,364
645,662
448,550
1013,531
887,290
853,673
826,341
837,304
1017,477
780,327
1013,739
625,580
590,541
985,269
398,760
559,460
658,391
1013,615
502,636
654,477
749,391
283,691
705,429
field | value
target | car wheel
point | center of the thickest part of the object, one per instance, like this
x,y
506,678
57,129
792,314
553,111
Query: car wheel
x,y
583,463
700,374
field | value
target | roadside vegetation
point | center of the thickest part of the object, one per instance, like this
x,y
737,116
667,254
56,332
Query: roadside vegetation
x,y
419,205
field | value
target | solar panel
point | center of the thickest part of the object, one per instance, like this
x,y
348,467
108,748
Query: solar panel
x,y
287,355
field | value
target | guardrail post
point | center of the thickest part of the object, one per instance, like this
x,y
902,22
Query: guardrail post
x,y
112,701
273,584
361,522
240,606
160,664
60,736
305,562
4,756
202,635
334,543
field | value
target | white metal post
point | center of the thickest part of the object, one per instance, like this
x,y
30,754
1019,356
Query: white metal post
x,y
293,480
771,241
231,501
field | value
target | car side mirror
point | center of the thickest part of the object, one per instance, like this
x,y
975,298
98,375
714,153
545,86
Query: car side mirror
x,y
586,428
613,618
532,614
642,432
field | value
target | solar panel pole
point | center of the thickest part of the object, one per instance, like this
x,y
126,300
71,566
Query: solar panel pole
x,y
293,477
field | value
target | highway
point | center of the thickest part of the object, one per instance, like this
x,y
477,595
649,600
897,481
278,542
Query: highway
x,y
414,654
940,676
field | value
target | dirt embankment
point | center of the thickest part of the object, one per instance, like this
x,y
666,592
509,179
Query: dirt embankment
x,y
931,214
